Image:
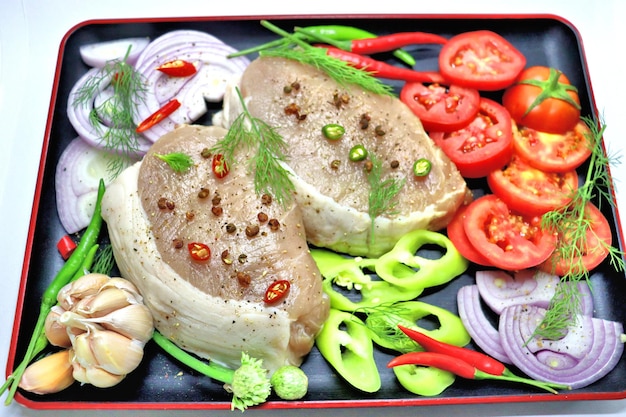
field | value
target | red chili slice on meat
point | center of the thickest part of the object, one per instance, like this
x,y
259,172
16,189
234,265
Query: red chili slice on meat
x,y
276,291
219,166
199,251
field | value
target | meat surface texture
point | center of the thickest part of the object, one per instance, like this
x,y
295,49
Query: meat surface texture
x,y
333,191
214,308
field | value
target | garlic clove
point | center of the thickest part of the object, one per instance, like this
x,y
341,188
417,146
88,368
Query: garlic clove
x,y
100,378
56,333
126,285
82,353
115,353
106,301
76,323
133,321
52,373
84,286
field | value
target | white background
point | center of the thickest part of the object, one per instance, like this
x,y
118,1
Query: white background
x,y
30,35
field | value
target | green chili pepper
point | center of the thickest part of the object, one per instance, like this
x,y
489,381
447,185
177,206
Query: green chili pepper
x,y
357,153
49,298
426,381
347,33
383,323
333,131
404,268
422,167
344,342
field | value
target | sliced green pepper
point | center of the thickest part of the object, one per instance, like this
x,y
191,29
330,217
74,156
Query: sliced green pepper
x,y
383,324
349,288
345,343
421,380
402,267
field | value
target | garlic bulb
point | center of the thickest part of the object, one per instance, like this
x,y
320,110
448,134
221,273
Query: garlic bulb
x,y
106,324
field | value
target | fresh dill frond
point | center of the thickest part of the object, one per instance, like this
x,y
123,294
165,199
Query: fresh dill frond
x,y
340,71
572,225
382,194
248,132
383,320
178,161
104,261
129,90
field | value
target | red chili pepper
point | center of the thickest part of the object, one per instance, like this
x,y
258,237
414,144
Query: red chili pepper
x,y
276,291
199,251
463,369
390,42
178,68
477,359
219,166
156,117
66,246
382,69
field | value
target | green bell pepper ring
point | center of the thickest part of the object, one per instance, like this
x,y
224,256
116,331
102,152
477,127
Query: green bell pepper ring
x,y
349,288
402,267
345,343
383,325
426,381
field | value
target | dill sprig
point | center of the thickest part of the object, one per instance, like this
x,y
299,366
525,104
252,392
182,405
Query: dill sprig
x,y
343,73
247,132
104,261
119,138
572,225
178,161
383,320
382,194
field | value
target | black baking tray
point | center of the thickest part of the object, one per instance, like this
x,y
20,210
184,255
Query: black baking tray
x,y
161,382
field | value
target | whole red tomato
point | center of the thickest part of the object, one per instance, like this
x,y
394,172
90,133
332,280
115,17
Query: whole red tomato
x,y
543,99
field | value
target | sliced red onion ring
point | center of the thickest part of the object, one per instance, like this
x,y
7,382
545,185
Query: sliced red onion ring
x,y
77,177
483,333
78,114
499,289
208,53
98,54
587,353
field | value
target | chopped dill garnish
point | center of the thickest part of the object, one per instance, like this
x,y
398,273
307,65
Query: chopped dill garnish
x,y
340,71
129,90
248,132
572,223
178,161
382,194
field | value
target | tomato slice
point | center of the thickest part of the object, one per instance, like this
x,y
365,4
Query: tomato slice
x,y
598,239
553,152
441,108
480,59
482,146
458,237
507,240
530,191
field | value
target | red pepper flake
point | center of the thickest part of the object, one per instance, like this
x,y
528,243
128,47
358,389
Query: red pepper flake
x,y
276,291
66,246
199,251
